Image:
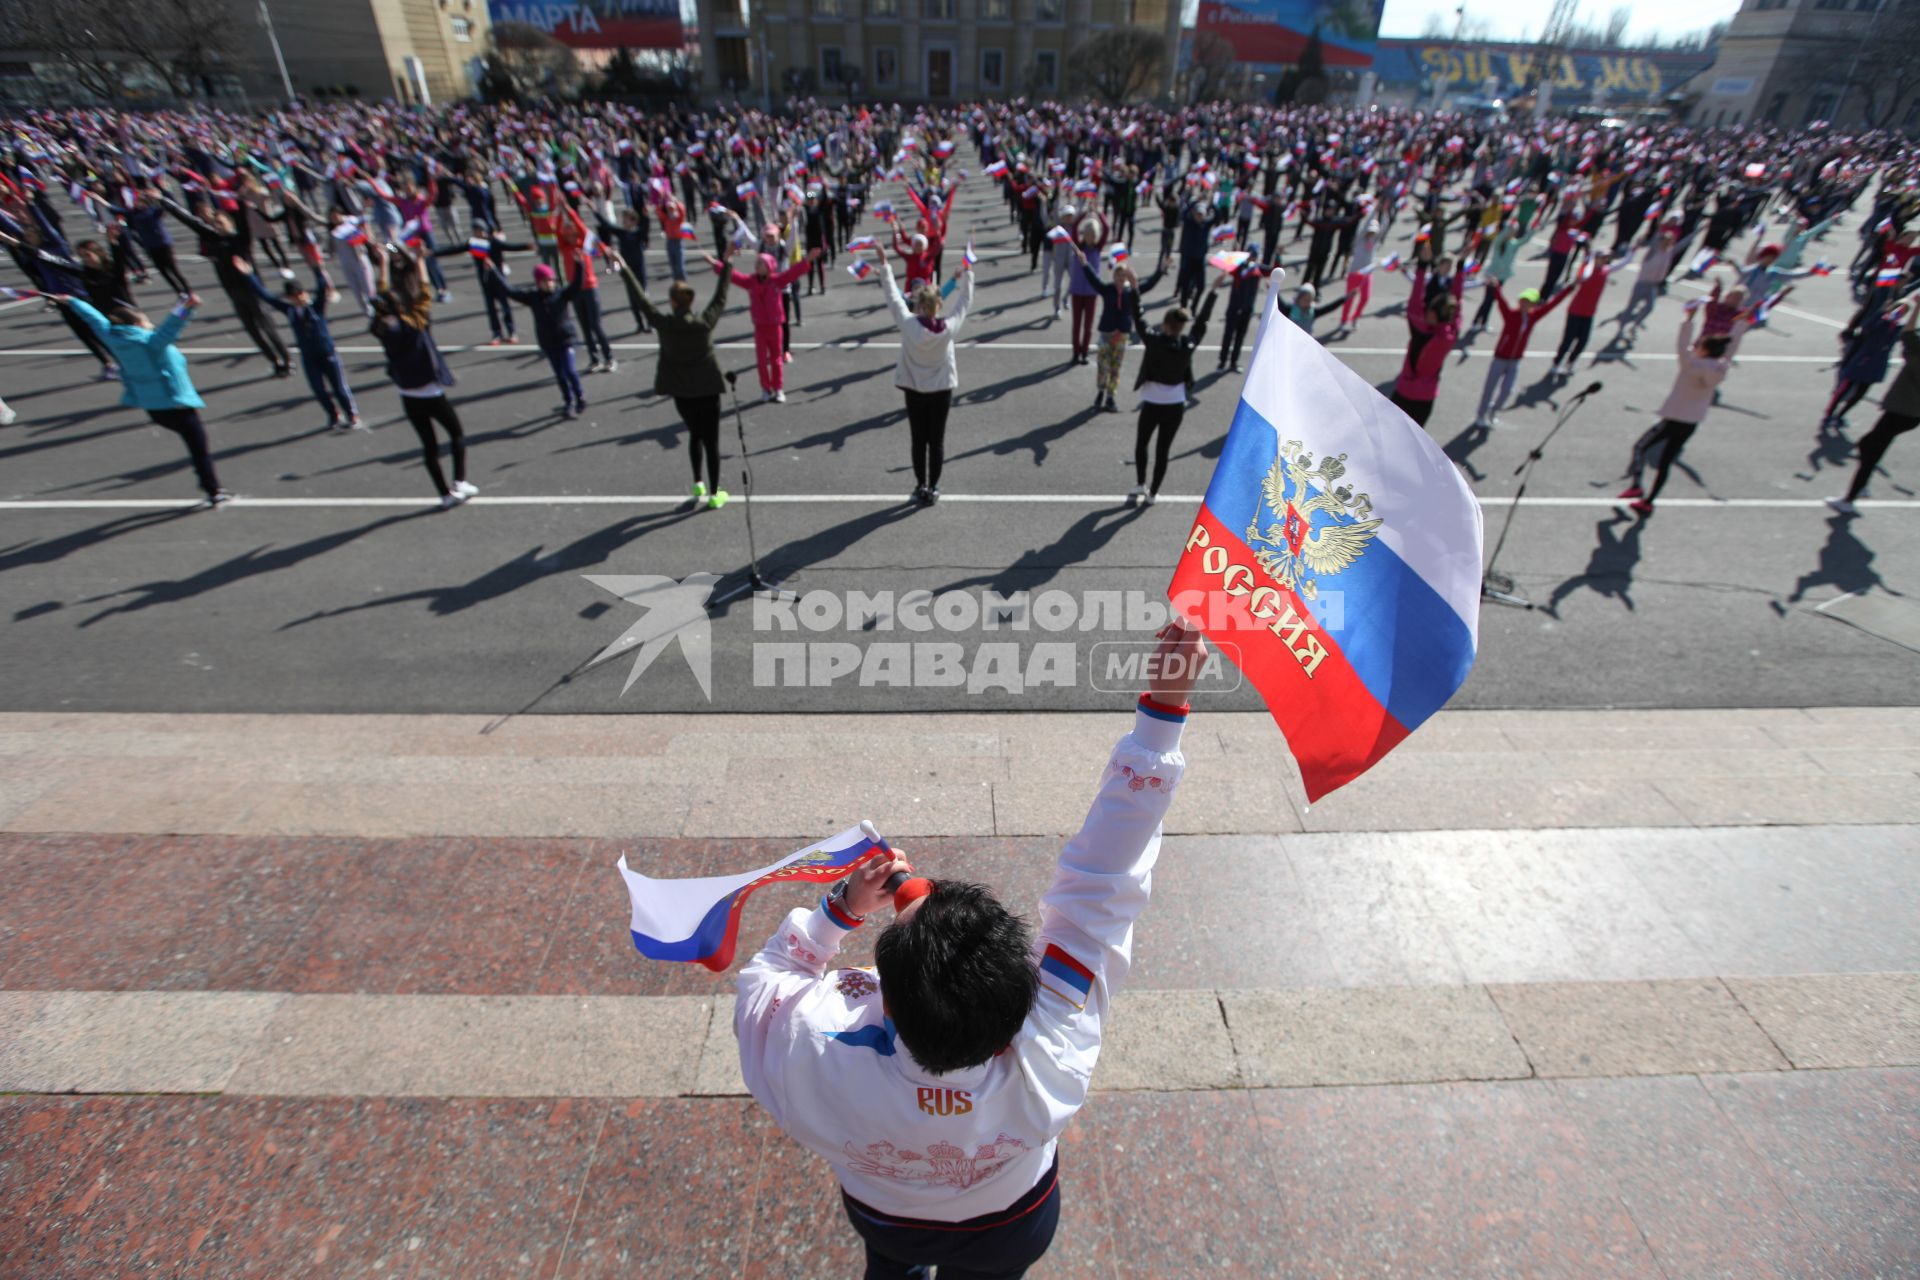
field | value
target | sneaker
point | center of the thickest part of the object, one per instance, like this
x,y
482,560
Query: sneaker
x,y
354,423
218,498
448,501
766,397
513,339
919,495
8,415
569,411
1642,506
779,397
108,373
1631,491
283,371
1479,424
933,495
612,365
1843,506
593,366
445,295
1152,498
466,489
786,357
699,492
336,424
495,340
1493,422
1138,491
718,500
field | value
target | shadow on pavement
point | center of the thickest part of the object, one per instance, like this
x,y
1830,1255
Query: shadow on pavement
x,y
1609,572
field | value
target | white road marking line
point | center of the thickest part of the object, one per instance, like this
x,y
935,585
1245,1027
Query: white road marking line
x,y
528,349
1497,501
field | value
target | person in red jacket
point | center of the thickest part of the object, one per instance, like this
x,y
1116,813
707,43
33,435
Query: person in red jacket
x,y
577,248
764,289
1587,288
1517,325
1433,329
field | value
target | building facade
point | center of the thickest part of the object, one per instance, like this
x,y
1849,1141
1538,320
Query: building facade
x,y
1786,62
913,50
408,50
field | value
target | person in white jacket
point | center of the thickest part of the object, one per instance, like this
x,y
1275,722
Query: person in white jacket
x,y
937,1084
926,370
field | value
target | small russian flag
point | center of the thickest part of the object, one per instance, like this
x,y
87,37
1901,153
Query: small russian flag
x,y
943,150
685,233
1702,261
697,149
1424,234
969,257
746,191
1119,253
717,209
861,242
1223,233
883,210
995,169
1822,269
480,247
698,920
1059,235
860,268
1391,262
1127,133
1890,273
1066,977
815,151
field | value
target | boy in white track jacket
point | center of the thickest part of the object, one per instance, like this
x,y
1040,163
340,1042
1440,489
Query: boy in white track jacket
x,y
938,1086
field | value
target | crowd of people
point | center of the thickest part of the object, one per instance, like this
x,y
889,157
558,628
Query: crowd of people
x,y
377,204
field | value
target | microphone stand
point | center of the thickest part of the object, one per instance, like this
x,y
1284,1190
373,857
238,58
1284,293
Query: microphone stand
x,y
754,583
1499,588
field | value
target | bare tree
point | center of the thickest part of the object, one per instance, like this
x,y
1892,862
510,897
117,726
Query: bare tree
x,y
180,42
1213,66
1121,65
65,32
1616,33
1878,77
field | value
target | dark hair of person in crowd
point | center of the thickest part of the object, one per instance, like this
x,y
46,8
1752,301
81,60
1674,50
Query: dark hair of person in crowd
x,y
958,976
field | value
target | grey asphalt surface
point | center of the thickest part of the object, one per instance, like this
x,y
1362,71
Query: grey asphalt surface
x,y
375,600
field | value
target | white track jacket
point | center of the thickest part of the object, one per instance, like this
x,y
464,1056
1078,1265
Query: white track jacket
x,y
820,1055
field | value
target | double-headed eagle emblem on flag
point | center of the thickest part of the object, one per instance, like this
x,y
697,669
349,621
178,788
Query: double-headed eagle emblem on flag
x,y
1320,526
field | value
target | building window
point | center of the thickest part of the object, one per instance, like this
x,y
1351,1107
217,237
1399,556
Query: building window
x,y
1046,69
1047,11
993,68
940,10
886,66
830,64
883,8
829,8
995,10
462,30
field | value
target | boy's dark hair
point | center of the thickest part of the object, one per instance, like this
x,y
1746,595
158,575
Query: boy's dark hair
x,y
1177,317
1716,346
958,976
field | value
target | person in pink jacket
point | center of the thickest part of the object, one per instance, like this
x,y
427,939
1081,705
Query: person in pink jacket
x,y
1703,367
765,288
1432,331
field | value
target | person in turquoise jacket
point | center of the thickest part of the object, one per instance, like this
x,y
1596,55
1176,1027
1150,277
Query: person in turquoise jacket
x,y
153,375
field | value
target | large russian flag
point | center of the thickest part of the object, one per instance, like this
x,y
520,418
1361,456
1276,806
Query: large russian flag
x,y
698,920
1336,559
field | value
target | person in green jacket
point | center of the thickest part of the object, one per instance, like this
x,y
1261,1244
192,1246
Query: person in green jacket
x,y
688,370
153,375
1502,251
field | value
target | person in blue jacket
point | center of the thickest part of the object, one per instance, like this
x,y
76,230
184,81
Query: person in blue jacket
x,y
306,314
153,375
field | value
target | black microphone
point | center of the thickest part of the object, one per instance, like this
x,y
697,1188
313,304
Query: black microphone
x,y
1591,390
733,376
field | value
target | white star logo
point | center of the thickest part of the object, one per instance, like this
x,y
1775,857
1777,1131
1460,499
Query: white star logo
x,y
672,611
